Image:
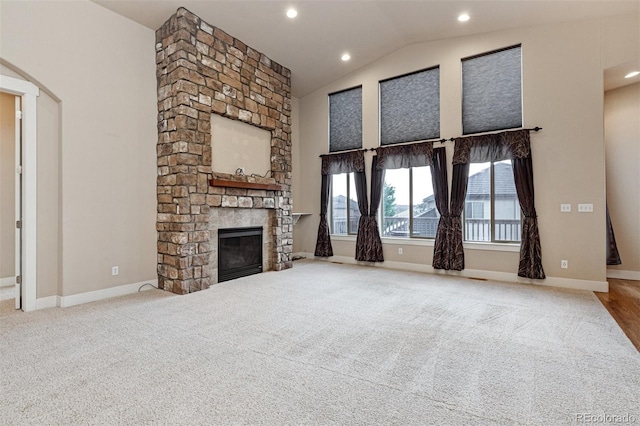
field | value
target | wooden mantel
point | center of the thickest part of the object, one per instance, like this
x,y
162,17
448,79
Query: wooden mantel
x,y
246,185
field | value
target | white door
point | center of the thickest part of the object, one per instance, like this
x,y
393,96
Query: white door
x,y
18,201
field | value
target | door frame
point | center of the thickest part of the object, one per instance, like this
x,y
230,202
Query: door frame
x,y
29,93
17,174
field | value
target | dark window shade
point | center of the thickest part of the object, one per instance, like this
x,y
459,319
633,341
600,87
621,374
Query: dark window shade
x,y
410,107
492,91
345,120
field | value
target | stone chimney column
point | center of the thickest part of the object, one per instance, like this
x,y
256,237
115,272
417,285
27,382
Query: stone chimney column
x,y
202,70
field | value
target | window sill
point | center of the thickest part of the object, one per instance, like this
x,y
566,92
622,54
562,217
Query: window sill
x,y
342,237
388,240
476,245
408,241
468,245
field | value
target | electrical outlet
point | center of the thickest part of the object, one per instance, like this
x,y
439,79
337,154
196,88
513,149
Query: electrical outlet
x,y
399,250
565,208
564,264
115,270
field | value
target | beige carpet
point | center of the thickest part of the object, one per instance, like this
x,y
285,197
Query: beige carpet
x,y
321,344
7,293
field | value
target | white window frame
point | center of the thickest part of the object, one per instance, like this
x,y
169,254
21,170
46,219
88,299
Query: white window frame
x,y
492,216
348,207
381,215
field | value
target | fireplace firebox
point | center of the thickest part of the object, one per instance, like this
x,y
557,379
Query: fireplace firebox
x,y
239,252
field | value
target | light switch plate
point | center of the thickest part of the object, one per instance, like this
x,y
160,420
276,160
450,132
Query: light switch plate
x,y
565,208
585,208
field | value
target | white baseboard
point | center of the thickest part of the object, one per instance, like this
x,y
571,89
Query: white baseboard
x,y
47,302
7,282
575,284
623,275
93,296
107,293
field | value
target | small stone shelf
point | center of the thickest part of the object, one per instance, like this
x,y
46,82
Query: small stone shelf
x,y
246,185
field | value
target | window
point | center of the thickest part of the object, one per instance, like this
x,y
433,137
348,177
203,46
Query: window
x,y
345,120
410,107
492,91
409,208
492,210
474,209
345,214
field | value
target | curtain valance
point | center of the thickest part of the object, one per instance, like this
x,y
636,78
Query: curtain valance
x,y
405,156
493,147
343,162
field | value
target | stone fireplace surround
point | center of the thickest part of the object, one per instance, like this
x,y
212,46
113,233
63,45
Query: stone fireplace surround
x,y
239,218
201,70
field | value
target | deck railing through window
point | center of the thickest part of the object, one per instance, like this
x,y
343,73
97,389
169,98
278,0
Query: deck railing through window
x,y
426,227
480,230
340,224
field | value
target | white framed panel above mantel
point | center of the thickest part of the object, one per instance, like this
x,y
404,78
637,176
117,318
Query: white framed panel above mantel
x,y
237,145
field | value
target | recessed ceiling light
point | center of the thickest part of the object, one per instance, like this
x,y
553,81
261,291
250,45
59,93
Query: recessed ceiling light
x,y
292,13
346,57
632,74
463,18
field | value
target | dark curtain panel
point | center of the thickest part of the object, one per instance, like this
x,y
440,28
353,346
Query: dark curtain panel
x,y
343,162
530,250
455,252
613,257
360,181
323,243
368,244
513,145
405,156
441,195
492,147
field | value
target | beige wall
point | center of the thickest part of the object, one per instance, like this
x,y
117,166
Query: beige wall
x,y
102,68
295,152
562,92
7,185
622,142
49,252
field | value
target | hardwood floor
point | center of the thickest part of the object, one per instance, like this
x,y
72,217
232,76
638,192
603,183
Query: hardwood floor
x,y
623,303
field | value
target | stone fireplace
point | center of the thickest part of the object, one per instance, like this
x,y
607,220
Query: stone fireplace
x,y
202,70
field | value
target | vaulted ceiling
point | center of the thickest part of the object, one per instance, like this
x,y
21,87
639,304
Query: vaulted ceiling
x,y
311,44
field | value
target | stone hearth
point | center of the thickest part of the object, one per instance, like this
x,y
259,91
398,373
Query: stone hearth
x,y
202,70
